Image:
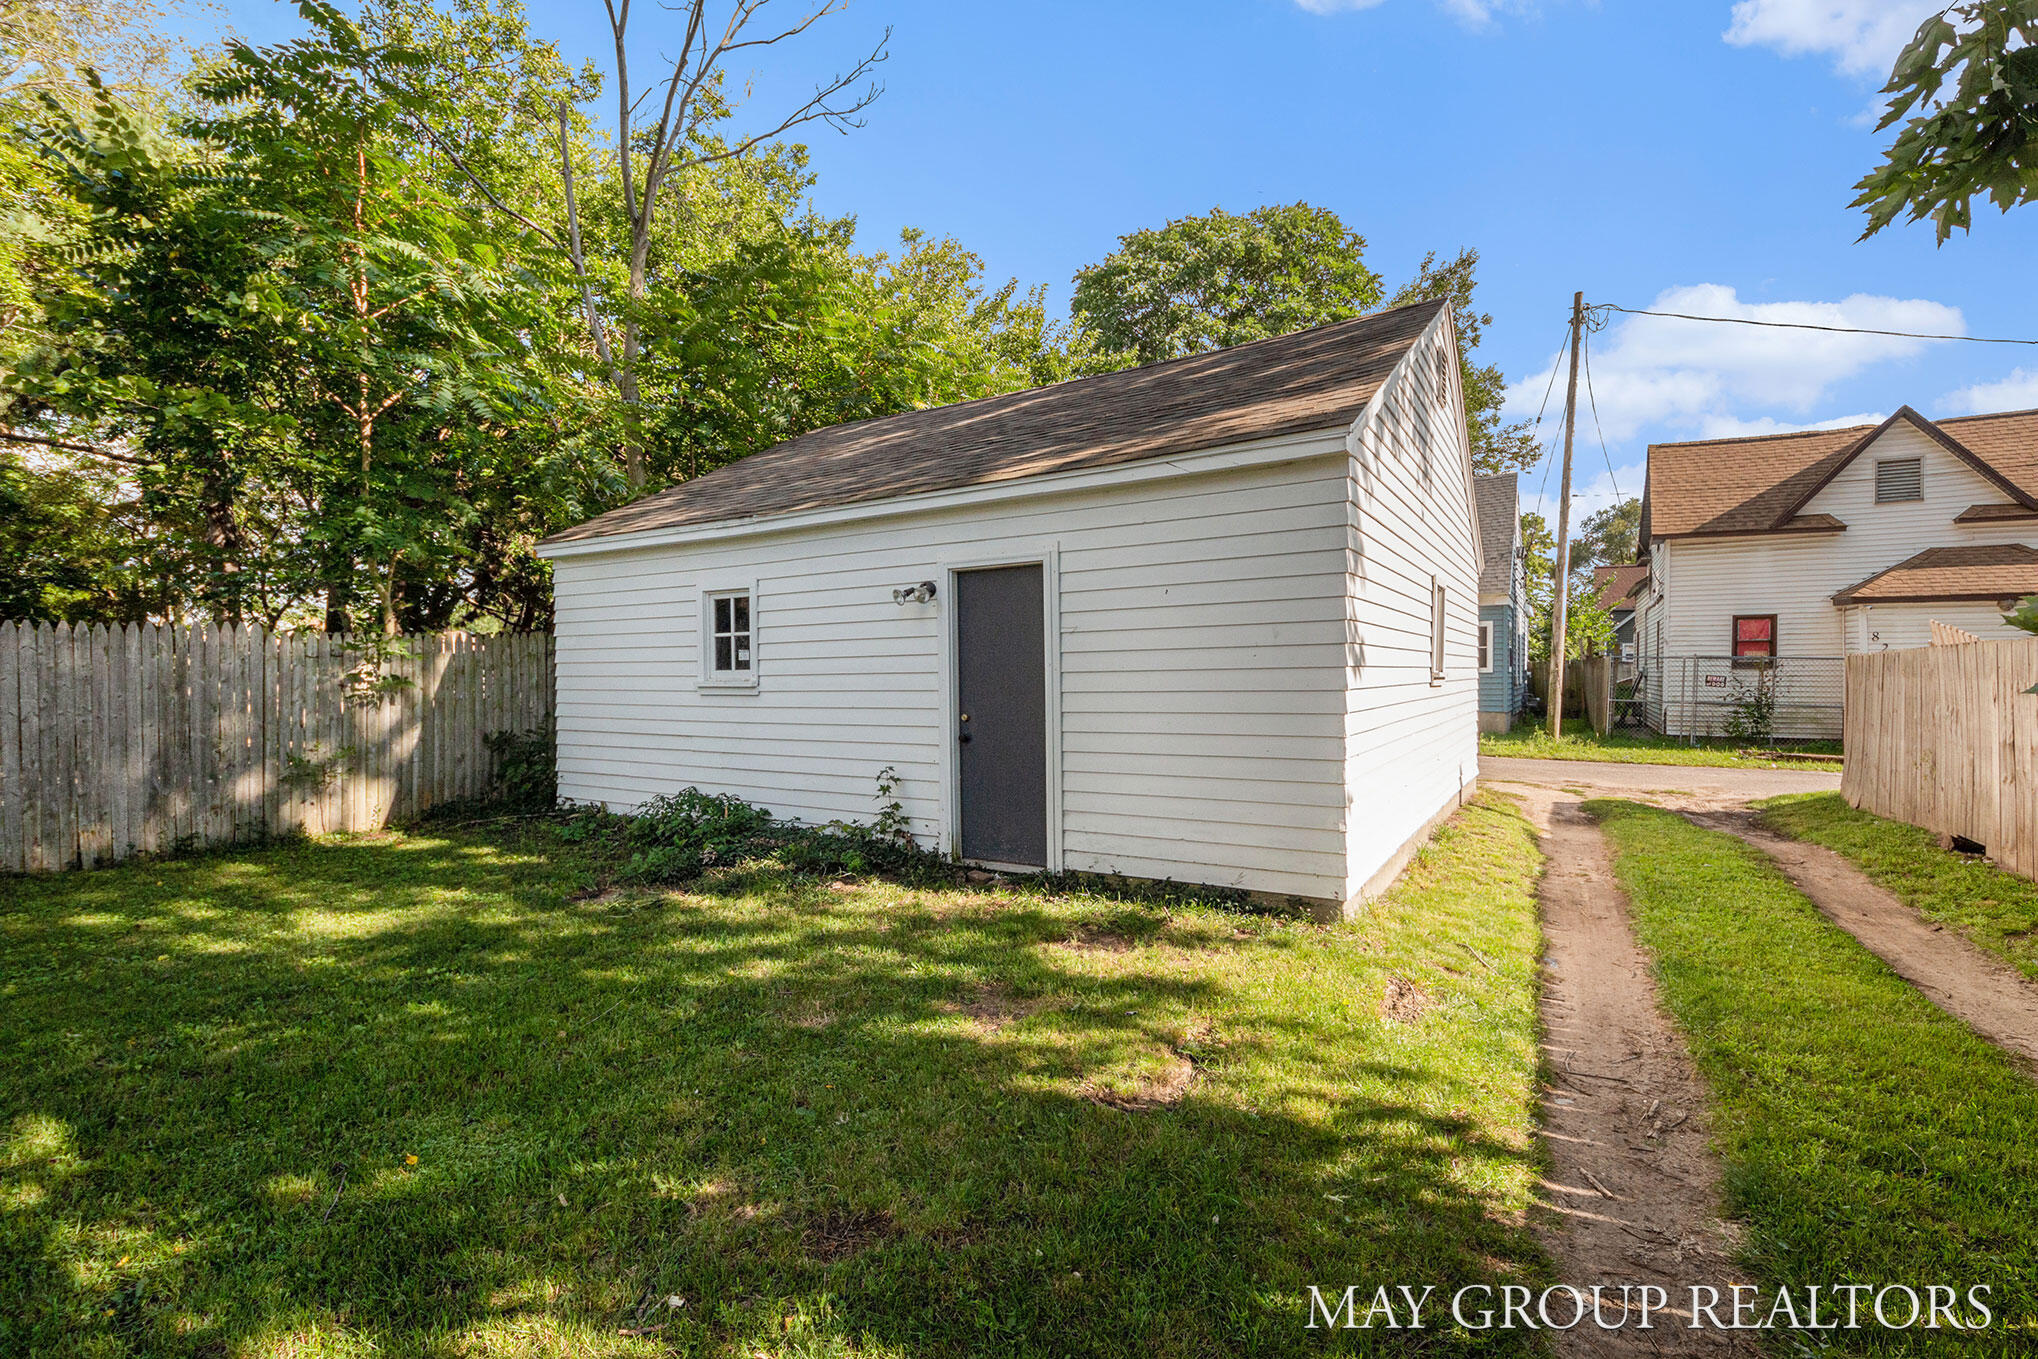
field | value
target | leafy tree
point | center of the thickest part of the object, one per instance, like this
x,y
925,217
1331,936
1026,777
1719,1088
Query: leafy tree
x,y
798,330
1979,137
78,546
657,141
1495,447
1588,628
1222,279
1608,537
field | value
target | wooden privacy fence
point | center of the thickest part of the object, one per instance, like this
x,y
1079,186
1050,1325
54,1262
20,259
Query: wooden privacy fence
x,y
137,739
1945,737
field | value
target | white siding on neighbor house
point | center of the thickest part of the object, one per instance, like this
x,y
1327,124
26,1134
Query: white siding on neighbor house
x,y
1795,576
1201,642
1899,627
1411,746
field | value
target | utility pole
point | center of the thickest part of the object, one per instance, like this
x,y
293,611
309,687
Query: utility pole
x,y
1561,567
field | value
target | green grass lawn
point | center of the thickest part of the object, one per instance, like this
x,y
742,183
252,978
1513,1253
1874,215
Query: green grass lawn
x,y
423,1094
1531,741
1997,910
1867,1137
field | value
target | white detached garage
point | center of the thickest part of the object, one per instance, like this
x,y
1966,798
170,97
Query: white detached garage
x,y
1213,620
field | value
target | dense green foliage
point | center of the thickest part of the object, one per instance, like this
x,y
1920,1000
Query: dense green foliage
x,y
1980,136
1588,627
434,1093
329,332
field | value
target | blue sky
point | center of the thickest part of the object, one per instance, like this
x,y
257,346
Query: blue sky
x,y
1695,152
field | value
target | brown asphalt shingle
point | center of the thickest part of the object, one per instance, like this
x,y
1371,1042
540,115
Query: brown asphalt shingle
x,y
1498,499
1748,485
1618,585
1314,379
1980,571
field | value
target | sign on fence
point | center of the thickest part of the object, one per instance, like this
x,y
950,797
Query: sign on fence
x,y
1946,737
143,738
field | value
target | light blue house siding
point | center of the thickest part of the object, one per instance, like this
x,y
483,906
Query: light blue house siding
x,y
1504,688
1503,603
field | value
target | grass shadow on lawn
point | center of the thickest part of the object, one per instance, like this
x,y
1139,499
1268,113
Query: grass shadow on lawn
x,y
828,1118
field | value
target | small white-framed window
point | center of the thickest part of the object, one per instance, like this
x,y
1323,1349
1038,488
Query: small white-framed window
x,y
1436,630
1486,648
1898,480
729,637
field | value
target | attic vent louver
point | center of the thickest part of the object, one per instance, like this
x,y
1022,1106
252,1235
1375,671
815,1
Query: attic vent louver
x,y
1899,479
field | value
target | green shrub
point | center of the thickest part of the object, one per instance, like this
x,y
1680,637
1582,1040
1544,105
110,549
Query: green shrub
x,y
678,837
525,777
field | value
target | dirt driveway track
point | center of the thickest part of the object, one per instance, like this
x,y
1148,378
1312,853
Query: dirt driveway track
x,y
1982,991
1632,1191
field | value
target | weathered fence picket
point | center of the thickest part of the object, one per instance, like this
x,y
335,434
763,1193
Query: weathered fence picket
x,y
1946,737
124,740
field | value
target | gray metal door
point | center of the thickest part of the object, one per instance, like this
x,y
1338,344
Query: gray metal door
x,y
1001,715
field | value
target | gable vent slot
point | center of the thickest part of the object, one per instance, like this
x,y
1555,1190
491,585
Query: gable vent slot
x,y
1899,479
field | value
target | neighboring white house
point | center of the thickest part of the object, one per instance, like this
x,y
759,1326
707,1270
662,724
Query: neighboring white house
x,y
1212,620
1770,558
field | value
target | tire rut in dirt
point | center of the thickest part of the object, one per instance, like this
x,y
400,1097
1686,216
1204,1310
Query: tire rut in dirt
x,y
1632,1195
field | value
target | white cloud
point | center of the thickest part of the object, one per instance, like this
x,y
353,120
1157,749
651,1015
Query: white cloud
x,y
2017,392
1657,373
1861,36
1733,427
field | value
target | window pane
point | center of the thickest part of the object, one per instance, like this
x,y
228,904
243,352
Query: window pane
x,y
742,656
1755,636
721,615
722,654
742,607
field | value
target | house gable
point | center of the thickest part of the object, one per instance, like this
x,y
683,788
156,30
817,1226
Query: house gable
x,y
1950,482
1906,434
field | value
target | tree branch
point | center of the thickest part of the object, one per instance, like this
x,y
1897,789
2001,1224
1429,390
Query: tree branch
x,y
477,182
596,329
68,446
817,109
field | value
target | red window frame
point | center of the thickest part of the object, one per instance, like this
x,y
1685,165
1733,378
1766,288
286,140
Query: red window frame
x,y
1753,638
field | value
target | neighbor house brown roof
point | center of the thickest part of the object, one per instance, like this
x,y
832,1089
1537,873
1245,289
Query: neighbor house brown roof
x,y
1314,379
1762,484
1981,571
1498,500
1618,585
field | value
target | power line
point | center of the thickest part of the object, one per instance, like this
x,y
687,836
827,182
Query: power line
x,y
1806,325
1586,349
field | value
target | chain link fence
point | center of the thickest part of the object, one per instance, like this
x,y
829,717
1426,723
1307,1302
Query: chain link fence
x,y
1786,699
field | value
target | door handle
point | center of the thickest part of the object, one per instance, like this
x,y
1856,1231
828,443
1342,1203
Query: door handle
x,y
963,739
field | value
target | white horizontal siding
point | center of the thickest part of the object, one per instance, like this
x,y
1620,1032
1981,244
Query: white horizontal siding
x,y
1796,577
1202,648
1410,745
1898,627
1700,585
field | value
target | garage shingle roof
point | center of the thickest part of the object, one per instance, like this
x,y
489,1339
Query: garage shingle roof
x,y
1979,571
1313,379
1758,485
